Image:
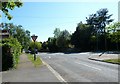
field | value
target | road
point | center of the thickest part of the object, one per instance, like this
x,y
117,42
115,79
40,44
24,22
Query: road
x,y
78,68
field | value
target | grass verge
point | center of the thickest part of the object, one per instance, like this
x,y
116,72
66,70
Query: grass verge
x,y
37,62
116,61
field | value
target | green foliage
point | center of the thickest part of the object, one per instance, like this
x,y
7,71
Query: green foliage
x,y
37,45
113,27
81,37
10,52
90,36
56,32
115,37
37,62
116,61
44,46
7,5
6,57
93,35
99,20
60,41
17,31
52,44
63,40
114,34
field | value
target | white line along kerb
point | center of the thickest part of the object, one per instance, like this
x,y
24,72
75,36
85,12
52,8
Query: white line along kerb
x,y
55,73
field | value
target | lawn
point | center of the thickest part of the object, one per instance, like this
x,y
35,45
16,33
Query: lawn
x,y
37,62
117,61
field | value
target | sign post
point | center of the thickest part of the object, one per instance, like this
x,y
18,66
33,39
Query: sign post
x,y
34,39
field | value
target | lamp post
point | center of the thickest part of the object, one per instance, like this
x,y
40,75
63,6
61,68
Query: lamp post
x,y
34,39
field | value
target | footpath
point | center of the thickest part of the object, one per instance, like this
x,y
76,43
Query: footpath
x,y
104,56
26,72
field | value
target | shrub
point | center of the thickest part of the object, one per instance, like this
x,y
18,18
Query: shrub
x,y
11,50
37,45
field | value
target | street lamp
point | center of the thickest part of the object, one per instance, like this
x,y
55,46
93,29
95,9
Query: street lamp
x,y
34,39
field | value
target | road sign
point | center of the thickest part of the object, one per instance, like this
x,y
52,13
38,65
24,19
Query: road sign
x,y
34,38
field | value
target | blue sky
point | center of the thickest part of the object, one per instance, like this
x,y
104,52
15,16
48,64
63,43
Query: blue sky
x,y
41,18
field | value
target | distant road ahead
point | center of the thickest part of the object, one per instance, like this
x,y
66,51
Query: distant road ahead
x,y
78,68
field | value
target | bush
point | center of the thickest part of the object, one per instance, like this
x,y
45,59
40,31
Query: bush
x,y
11,50
37,46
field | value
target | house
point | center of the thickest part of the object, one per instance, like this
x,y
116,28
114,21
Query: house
x,y
4,34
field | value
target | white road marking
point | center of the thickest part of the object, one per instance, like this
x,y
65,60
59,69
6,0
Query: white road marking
x,y
55,73
49,57
88,66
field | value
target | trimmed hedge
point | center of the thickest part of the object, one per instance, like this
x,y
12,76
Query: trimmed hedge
x,y
11,50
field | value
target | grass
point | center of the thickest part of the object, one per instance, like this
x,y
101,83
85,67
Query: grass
x,y
117,61
37,62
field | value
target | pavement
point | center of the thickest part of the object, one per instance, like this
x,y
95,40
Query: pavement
x,y
26,72
103,56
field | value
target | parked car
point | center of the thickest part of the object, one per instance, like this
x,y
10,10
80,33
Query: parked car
x,y
27,51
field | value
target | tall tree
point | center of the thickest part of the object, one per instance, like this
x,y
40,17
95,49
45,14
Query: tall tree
x,y
98,21
63,40
81,37
56,33
60,41
114,34
103,19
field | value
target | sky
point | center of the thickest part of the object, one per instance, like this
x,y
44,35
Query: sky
x,y
41,18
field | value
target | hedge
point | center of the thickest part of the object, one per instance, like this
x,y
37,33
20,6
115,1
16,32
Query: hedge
x,y
11,50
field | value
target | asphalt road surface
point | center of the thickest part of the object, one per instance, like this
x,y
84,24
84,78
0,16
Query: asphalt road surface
x,y
78,68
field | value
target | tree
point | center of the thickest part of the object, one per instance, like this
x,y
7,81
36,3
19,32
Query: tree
x,y
98,21
52,44
103,19
7,5
45,46
113,27
11,50
114,33
60,41
17,31
81,37
63,40
36,45
56,32
22,36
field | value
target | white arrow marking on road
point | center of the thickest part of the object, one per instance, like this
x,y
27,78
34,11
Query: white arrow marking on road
x,y
88,66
